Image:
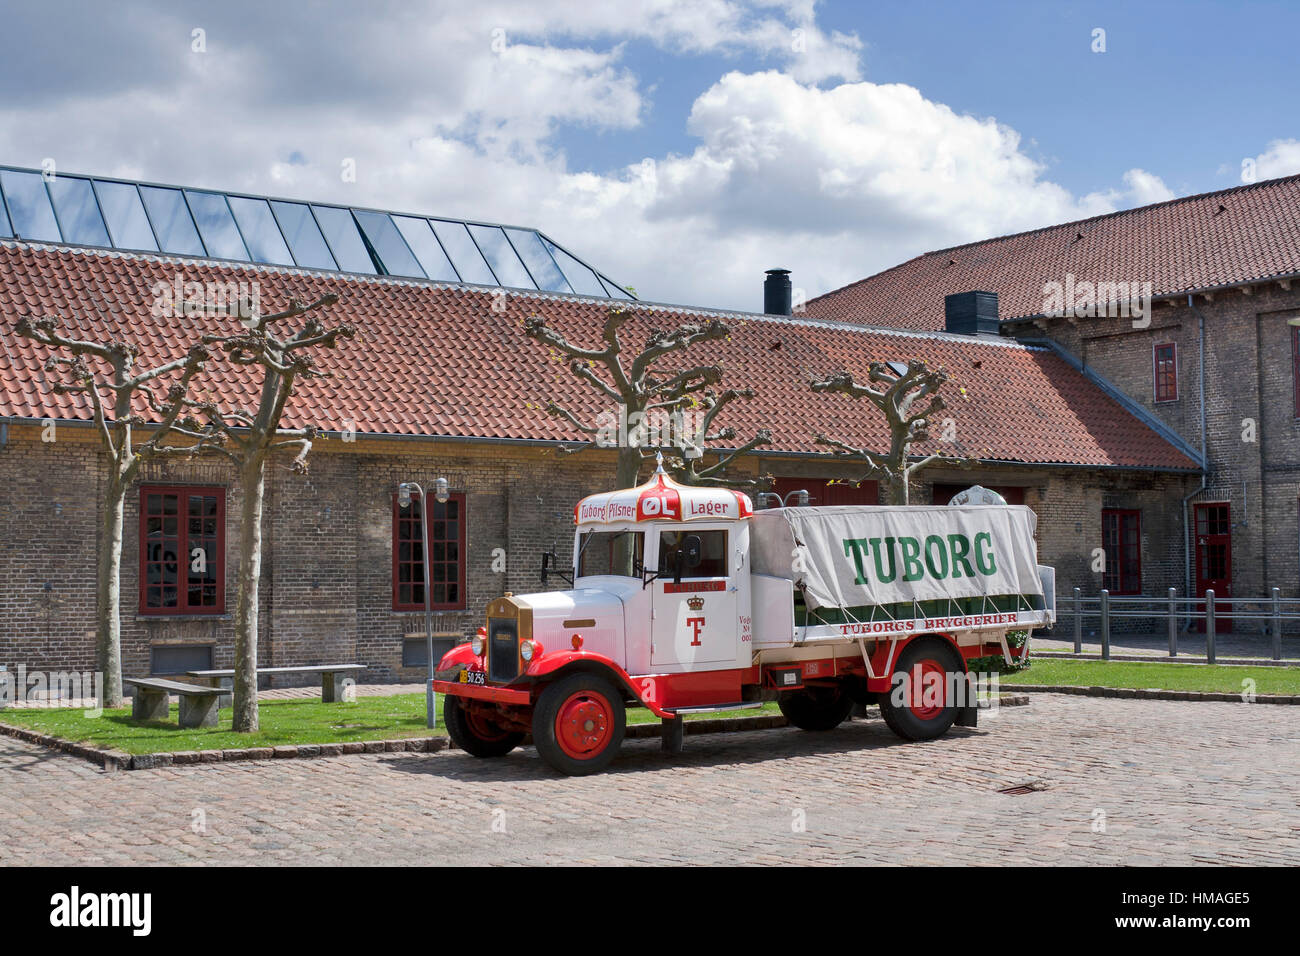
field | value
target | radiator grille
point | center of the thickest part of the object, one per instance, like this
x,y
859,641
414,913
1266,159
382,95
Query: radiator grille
x,y
503,650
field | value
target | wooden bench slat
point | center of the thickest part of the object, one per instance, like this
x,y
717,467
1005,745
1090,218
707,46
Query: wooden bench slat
x,y
171,686
310,669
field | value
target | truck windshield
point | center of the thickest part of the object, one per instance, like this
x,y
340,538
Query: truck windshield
x,y
611,552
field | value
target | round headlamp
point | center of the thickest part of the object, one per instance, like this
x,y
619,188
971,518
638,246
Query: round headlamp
x,y
526,650
476,645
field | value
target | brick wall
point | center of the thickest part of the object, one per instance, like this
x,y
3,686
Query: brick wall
x,y
1252,433
326,589
326,592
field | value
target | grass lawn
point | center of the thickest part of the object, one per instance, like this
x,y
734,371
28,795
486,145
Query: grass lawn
x,y
282,722
1158,674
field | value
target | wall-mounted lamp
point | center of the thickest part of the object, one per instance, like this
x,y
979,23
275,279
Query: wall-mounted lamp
x,y
441,494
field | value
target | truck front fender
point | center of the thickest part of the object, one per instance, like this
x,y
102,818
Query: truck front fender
x,y
462,655
552,663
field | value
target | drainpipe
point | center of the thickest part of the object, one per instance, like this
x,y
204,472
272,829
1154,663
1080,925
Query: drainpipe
x,y
1205,463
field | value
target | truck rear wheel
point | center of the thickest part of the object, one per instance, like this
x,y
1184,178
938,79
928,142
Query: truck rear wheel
x,y
475,734
923,705
578,724
816,708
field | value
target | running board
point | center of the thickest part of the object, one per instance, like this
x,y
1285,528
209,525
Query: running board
x,y
714,708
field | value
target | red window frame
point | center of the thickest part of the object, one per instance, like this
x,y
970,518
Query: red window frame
x,y
1164,371
1121,540
1295,366
149,559
406,528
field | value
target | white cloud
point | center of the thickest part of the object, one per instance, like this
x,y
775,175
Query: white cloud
x,y
1282,158
1141,189
1145,188
834,181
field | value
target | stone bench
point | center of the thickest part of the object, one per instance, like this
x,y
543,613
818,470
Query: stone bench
x,y
332,678
198,705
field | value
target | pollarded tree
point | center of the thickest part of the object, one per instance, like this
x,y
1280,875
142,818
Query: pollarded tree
x,y
686,465
908,401
646,398
252,438
105,372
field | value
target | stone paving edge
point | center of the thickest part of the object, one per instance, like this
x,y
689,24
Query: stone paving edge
x,y
1135,693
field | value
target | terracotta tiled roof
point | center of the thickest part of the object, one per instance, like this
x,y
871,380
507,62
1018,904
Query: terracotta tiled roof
x,y
439,360
1200,242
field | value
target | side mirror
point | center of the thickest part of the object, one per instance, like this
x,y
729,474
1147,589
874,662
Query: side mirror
x,y
692,550
551,565
687,557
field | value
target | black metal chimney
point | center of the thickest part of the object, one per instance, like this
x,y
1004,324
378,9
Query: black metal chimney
x,y
971,313
776,292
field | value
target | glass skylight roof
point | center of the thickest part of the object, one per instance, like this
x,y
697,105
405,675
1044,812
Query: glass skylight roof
x,y
142,217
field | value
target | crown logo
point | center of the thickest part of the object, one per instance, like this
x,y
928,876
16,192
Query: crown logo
x,y
696,603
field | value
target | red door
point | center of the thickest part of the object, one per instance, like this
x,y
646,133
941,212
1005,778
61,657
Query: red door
x,y
1214,557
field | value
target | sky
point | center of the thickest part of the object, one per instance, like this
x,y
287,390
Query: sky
x,y
681,146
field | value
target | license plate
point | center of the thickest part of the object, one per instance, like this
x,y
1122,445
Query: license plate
x,y
473,677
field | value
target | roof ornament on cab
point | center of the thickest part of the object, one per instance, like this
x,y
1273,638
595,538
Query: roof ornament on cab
x,y
662,498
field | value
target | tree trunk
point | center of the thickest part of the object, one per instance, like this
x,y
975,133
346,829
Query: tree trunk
x,y
629,467
253,482
894,490
108,602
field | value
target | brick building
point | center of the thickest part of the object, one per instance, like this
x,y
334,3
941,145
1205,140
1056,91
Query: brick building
x,y
441,381
1213,366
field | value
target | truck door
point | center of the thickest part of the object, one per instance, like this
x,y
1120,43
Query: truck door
x,y
694,619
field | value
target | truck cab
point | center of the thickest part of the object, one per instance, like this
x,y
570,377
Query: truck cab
x,y
688,581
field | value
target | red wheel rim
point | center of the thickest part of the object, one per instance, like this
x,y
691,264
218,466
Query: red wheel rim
x,y
928,690
484,729
584,724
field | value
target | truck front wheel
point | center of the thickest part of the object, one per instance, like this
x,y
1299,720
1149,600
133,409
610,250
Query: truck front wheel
x,y
475,734
816,708
922,702
578,724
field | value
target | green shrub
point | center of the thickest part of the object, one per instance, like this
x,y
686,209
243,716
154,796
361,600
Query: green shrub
x,y
996,663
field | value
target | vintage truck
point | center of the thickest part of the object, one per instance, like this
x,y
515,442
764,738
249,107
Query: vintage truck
x,y
685,600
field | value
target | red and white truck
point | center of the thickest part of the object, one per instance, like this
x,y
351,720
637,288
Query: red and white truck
x,y
685,600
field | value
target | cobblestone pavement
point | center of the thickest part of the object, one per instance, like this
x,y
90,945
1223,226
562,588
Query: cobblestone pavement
x,y
1174,783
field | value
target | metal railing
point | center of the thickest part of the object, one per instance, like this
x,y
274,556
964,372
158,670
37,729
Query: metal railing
x,y
1271,612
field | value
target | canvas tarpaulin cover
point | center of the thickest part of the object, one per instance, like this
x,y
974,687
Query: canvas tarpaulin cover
x,y
850,556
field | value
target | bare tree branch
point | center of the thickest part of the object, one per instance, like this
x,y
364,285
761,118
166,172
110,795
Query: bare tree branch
x,y
908,401
636,386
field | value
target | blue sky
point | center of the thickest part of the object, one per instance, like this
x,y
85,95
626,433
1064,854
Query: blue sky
x,y
1186,90
683,146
